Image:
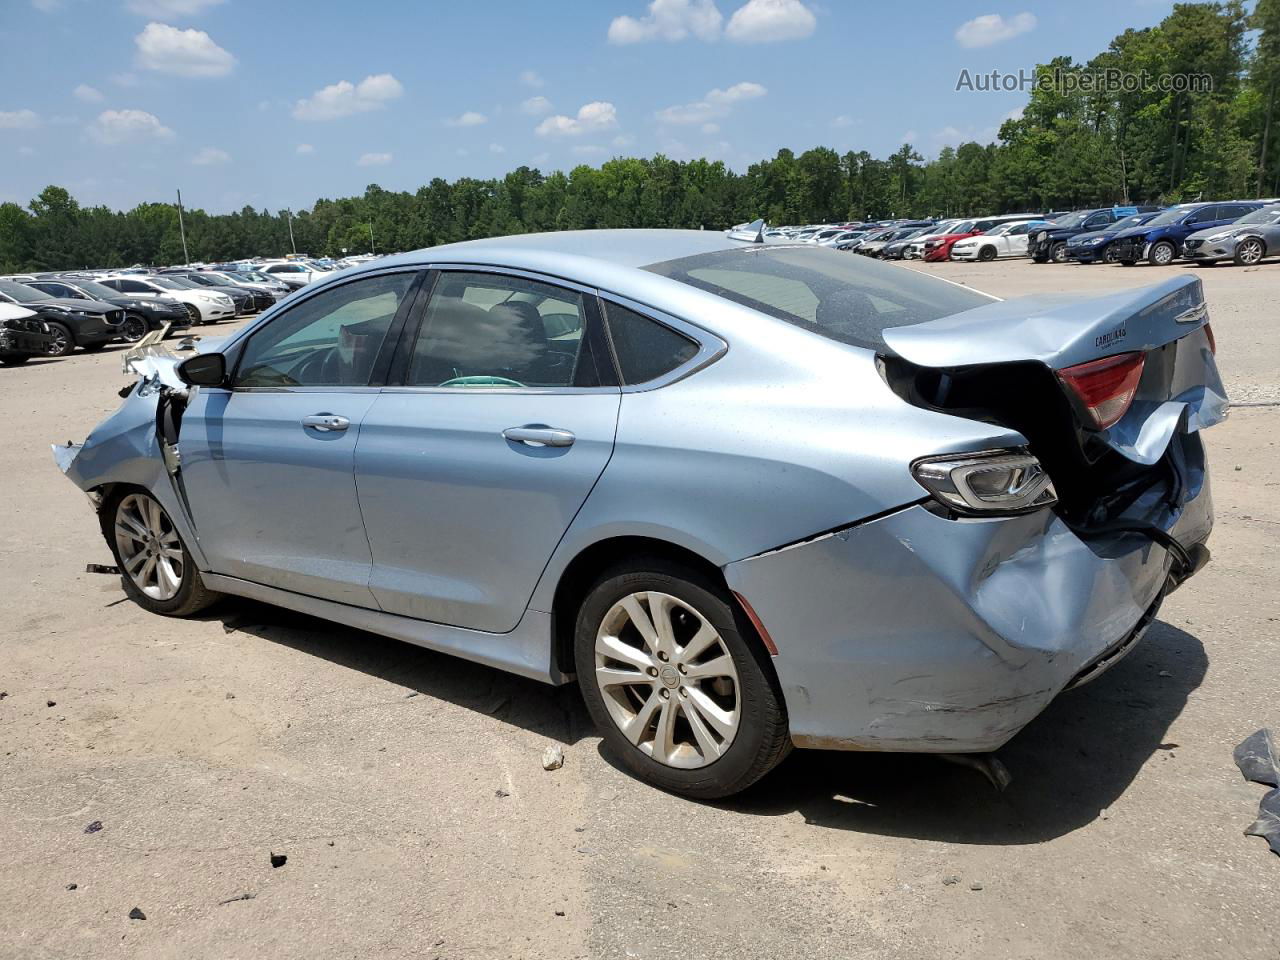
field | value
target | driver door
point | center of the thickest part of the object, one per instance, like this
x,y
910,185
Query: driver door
x,y
1014,241
268,464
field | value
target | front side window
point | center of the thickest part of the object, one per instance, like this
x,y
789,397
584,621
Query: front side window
x,y
491,330
328,340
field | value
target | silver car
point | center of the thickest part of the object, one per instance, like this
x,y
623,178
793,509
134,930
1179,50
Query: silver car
x,y
1246,241
749,495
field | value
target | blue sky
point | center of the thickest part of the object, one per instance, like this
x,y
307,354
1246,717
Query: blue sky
x,y
274,103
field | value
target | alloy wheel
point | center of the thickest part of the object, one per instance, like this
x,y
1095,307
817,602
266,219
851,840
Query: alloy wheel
x,y
148,545
1162,254
1250,252
60,343
133,329
667,679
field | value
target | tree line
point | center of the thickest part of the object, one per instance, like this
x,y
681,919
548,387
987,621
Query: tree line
x,y
1073,145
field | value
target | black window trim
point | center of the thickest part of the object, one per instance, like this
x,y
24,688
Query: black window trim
x,y
397,381
381,364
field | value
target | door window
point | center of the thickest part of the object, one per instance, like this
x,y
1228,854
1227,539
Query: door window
x,y
1097,221
131,286
1020,230
492,330
1203,215
328,340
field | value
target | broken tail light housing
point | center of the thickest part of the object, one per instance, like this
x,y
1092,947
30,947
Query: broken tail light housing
x,y
987,483
1105,387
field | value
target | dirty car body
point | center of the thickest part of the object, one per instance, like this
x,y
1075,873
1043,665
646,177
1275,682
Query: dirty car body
x,y
935,510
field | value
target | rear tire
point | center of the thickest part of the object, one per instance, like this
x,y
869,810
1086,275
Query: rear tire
x,y
695,709
156,569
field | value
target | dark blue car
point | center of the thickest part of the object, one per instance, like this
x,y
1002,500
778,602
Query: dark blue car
x,y
1096,246
1159,240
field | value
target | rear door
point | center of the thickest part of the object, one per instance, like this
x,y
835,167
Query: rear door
x,y
499,418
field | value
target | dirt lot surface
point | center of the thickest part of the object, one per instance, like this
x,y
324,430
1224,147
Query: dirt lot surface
x,y
407,792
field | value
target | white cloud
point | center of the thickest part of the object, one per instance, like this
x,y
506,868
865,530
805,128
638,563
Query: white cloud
x,y
117,126
184,53
374,160
342,99
171,9
717,103
211,157
304,149
992,28
87,93
18,119
844,120
531,78
669,20
497,148
768,21
591,117
125,80
536,106
588,150
468,119
623,140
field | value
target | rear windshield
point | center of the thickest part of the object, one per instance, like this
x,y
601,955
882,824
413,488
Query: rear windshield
x,y
841,297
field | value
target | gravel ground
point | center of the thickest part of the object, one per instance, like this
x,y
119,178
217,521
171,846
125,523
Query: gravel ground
x,y
407,792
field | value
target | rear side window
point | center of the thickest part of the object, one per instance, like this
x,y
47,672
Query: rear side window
x,y
848,299
645,348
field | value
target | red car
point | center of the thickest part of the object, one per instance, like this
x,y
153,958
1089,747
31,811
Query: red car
x,y
939,248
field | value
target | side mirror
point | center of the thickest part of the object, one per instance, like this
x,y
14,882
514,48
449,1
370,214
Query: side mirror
x,y
203,370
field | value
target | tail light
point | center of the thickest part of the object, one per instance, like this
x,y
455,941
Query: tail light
x,y
1105,387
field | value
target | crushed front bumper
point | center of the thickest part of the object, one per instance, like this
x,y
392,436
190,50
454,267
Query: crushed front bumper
x,y
915,632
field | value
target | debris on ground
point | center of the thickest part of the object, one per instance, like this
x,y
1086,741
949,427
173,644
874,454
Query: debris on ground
x,y
410,696
987,764
950,881
559,913
278,860
243,896
51,703
137,914
3,694
1259,762
93,827
975,886
102,568
230,695
553,758
500,793
73,886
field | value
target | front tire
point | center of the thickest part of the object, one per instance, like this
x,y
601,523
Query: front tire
x,y
134,328
987,254
156,568
1248,252
1058,252
1161,254
676,681
63,342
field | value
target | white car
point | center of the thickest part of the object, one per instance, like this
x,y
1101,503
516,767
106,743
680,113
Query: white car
x,y
1002,240
204,307
292,272
252,281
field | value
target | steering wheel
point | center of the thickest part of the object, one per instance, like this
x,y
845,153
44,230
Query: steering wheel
x,y
482,380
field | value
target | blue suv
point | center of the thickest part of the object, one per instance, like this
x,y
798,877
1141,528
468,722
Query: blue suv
x,y
1159,240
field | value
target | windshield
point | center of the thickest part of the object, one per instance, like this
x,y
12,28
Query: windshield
x,y
848,299
96,290
1128,221
998,229
1265,215
964,226
1172,215
167,282
21,292
1072,220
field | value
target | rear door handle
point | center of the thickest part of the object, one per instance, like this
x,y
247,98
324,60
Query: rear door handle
x,y
539,436
325,422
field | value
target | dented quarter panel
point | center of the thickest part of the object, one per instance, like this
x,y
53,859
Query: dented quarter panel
x,y
917,632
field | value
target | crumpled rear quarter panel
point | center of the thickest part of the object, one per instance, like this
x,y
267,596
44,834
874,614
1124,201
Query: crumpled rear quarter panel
x,y
919,633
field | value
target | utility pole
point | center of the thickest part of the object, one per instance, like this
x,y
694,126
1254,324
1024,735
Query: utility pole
x,y
372,249
186,257
289,215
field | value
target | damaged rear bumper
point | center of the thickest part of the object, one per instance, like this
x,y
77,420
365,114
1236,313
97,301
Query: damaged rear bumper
x,y
915,632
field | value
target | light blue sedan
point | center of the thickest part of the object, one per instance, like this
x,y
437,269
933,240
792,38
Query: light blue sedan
x,y
750,495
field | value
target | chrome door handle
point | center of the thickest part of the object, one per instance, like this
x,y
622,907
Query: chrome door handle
x,y
325,422
539,436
